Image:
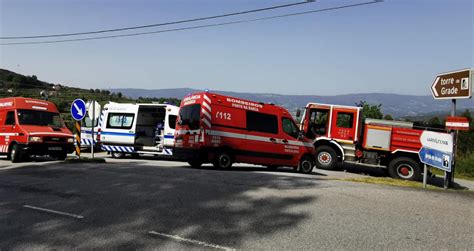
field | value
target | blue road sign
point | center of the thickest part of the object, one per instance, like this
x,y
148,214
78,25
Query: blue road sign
x,y
78,109
435,158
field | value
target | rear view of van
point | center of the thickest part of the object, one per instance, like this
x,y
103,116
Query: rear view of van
x,y
32,127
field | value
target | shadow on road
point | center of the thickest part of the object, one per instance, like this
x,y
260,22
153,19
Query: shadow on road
x,y
122,202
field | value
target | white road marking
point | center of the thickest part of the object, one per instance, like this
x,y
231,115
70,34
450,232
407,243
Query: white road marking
x,y
202,243
54,211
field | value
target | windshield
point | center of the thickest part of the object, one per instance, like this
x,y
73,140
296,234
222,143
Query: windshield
x,y
190,116
39,118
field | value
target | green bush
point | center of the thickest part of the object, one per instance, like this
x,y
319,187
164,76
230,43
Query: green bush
x,y
465,165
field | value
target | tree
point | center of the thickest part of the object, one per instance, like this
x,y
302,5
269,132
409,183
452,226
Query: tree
x,y
468,115
434,121
18,79
370,111
388,117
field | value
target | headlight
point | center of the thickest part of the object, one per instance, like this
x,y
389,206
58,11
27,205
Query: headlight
x,y
70,140
34,139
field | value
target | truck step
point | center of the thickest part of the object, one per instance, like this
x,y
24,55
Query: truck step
x,y
348,147
364,164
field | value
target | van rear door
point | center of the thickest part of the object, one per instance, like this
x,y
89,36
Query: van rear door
x,y
118,128
7,131
170,125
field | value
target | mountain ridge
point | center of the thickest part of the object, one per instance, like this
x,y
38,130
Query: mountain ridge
x,y
398,105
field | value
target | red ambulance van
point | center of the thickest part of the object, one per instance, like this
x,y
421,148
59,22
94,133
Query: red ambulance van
x,y
225,130
32,127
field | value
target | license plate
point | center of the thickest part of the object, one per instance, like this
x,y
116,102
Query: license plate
x,y
55,148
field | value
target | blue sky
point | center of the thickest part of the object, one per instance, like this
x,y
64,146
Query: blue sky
x,y
397,46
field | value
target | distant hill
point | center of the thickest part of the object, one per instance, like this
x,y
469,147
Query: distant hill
x,y
13,84
393,104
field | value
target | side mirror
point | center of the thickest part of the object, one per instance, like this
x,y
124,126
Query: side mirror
x,y
300,135
180,122
298,113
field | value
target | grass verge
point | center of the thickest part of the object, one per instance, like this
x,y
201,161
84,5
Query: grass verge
x,y
464,168
390,182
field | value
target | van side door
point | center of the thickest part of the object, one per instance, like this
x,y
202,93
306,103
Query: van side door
x,y
170,126
290,142
263,140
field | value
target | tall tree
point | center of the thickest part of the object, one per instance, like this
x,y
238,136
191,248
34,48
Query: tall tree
x,y
370,111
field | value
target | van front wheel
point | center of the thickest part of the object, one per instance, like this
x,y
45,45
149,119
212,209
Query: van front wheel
x,y
306,165
15,154
223,160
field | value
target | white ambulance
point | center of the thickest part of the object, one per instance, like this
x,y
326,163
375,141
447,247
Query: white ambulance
x,y
137,129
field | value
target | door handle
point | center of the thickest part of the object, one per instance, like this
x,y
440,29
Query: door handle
x,y
273,140
285,141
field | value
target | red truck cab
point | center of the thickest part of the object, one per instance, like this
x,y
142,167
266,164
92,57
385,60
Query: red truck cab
x,y
223,130
32,127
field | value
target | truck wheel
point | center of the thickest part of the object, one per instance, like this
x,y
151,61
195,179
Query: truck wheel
x,y
326,158
195,163
404,168
118,155
15,154
306,165
223,160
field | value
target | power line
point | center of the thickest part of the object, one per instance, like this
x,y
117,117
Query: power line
x,y
161,24
196,27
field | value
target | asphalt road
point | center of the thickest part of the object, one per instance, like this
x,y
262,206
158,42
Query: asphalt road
x,y
136,204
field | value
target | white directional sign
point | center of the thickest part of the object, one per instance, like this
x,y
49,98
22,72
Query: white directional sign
x,y
437,141
93,110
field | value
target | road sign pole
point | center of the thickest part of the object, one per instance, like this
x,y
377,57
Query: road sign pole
x,y
425,175
454,134
93,125
78,138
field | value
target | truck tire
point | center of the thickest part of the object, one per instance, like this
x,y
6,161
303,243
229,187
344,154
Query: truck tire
x,y
306,164
404,168
326,158
118,155
15,154
223,160
195,163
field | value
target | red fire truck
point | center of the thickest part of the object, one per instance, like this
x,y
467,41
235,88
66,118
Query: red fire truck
x,y
339,134
32,127
225,130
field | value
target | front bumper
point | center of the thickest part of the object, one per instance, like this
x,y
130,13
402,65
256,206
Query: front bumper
x,y
46,149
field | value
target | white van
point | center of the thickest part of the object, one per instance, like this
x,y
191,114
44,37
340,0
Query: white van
x,y
138,129
86,129
86,132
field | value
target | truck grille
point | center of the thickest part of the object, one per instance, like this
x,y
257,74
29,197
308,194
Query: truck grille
x,y
55,139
